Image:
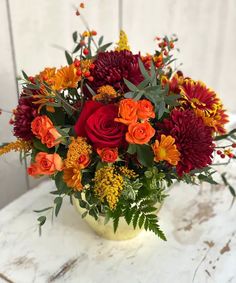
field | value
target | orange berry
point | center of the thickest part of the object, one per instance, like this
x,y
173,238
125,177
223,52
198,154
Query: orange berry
x,y
81,5
82,43
90,78
172,45
86,51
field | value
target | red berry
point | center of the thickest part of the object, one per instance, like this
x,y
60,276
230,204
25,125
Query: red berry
x,y
31,79
11,122
222,155
231,155
165,43
86,51
90,78
87,74
77,13
77,63
166,53
219,152
93,32
234,145
78,72
92,66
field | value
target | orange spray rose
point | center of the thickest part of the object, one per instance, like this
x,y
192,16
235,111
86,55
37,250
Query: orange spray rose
x,y
46,164
145,109
127,111
139,133
108,154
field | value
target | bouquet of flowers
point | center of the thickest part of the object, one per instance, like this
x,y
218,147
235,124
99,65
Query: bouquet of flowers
x,y
115,129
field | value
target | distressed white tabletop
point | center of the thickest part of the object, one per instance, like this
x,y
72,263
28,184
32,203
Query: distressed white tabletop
x,y
198,222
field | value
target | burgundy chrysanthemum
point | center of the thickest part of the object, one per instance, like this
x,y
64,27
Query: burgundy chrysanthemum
x,y
112,67
193,139
25,112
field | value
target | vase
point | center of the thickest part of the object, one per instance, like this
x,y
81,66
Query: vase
x,y
123,232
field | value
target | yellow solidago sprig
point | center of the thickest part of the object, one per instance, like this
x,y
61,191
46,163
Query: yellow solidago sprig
x,y
122,44
18,145
108,185
78,158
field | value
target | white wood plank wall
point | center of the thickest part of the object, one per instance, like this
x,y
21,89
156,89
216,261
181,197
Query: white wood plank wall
x,y
205,28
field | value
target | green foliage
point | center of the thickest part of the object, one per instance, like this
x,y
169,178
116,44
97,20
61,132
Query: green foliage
x,y
69,59
227,184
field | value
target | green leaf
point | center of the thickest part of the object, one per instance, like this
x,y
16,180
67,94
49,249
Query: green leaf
x,y
75,36
60,184
84,214
58,203
44,209
91,90
104,47
82,203
68,58
115,223
207,179
39,146
132,149
77,48
141,220
130,85
25,76
100,40
161,109
143,69
145,155
42,220
135,219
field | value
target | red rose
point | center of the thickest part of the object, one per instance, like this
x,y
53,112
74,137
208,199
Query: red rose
x,y
96,122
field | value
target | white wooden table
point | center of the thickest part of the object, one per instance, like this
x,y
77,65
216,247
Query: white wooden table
x,y
198,222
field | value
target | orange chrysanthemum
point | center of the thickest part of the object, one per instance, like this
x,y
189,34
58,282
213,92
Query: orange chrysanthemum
x,y
105,93
72,177
166,150
66,77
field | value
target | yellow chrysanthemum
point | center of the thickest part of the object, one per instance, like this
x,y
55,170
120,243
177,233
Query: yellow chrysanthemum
x,y
105,92
78,155
108,185
19,145
166,150
66,77
72,177
122,44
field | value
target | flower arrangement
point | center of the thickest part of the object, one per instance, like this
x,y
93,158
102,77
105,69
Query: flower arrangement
x,y
115,129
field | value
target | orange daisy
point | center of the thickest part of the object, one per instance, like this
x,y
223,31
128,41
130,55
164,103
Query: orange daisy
x,y
166,150
66,77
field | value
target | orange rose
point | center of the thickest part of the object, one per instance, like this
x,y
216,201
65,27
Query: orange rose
x,y
139,133
51,138
108,154
40,126
83,161
145,109
32,170
44,130
46,164
127,111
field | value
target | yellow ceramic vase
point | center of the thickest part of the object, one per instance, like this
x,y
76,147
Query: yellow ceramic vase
x,y
123,232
